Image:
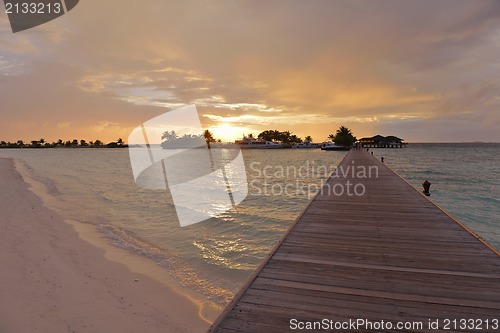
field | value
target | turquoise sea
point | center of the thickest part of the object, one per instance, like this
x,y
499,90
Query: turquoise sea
x,y
216,256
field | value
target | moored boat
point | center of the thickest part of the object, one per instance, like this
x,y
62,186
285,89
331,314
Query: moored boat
x,y
307,144
333,146
251,143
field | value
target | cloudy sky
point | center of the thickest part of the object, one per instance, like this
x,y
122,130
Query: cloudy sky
x,y
421,70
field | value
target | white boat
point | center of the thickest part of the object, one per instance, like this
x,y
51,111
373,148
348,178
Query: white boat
x,y
307,144
251,143
224,145
332,146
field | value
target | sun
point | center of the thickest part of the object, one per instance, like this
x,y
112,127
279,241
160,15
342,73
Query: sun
x,y
228,133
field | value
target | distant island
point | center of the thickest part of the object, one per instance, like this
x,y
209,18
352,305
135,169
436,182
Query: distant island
x,y
343,137
62,144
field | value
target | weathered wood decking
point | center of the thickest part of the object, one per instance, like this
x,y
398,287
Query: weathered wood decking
x,y
389,255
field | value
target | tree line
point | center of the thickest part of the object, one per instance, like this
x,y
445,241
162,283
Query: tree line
x,y
342,137
42,143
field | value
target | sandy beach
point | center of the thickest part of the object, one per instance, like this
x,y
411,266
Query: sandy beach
x,y
54,280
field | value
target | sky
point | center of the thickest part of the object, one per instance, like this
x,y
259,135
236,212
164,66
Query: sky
x,y
425,71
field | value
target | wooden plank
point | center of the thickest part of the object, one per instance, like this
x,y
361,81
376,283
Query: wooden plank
x,y
363,303
307,259
391,254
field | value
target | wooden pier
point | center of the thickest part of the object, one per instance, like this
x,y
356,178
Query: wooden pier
x,y
389,255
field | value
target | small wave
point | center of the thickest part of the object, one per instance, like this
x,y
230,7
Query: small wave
x,y
487,199
429,172
186,275
28,172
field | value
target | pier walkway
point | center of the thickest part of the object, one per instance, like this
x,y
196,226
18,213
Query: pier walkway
x,y
389,255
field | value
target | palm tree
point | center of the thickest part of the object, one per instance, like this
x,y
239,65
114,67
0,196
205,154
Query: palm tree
x,y
169,136
209,137
343,131
343,137
119,141
308,139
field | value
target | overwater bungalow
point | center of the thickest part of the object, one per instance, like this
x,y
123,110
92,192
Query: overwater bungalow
x,y
379,141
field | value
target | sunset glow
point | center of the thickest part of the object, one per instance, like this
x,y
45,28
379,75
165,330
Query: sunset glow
x,y
229,133
390,67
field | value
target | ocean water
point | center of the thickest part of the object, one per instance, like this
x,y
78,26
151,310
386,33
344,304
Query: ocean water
x,y
216,256
465,180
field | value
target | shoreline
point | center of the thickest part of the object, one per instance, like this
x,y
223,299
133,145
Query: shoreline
x,y
63,276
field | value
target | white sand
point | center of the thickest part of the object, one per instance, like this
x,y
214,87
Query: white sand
x,y
53,280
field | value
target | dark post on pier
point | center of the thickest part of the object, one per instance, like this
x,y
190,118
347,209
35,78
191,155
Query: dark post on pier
x,y
387,260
